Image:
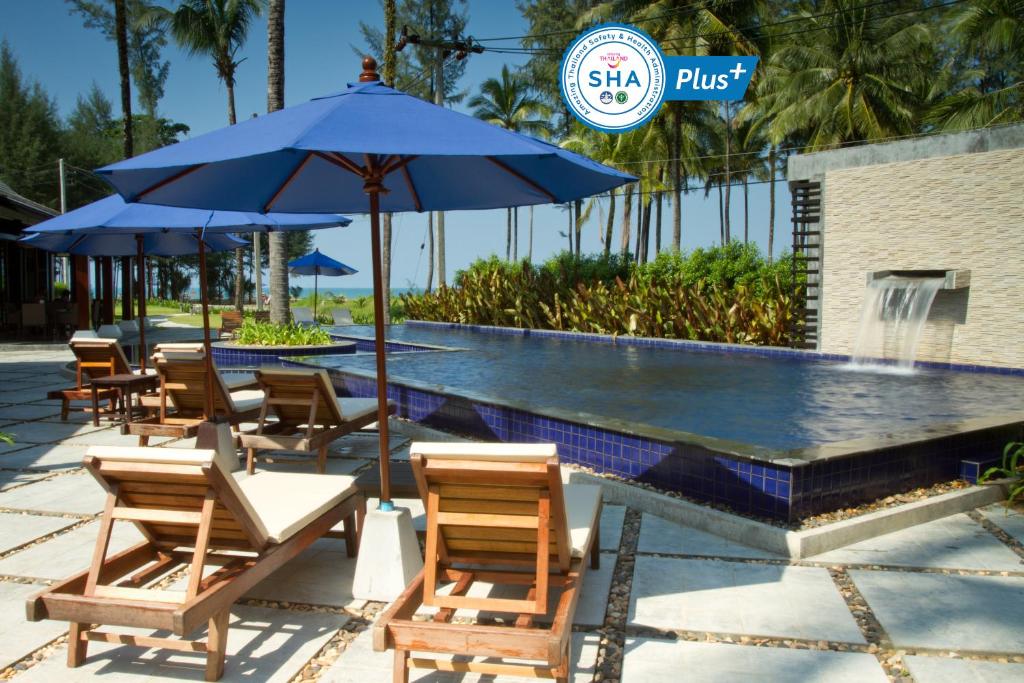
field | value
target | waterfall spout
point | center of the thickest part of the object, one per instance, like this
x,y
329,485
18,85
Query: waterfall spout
x,y
895,310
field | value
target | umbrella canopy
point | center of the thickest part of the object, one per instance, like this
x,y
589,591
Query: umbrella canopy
x,y
114,216
162,243
369,148
315,263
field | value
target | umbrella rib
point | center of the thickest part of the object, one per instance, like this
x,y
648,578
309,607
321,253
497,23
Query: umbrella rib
x,y
532,183
167,181
284,186
401,162
412,189
339,160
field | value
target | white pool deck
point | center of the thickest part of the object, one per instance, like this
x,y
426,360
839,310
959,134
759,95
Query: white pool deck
x,y
940,601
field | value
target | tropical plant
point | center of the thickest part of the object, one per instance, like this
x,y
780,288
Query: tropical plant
x,y
218,29
254,333
510,102
6,438
1012,468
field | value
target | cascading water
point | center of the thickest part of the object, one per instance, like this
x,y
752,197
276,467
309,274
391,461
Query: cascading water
x,y
894,313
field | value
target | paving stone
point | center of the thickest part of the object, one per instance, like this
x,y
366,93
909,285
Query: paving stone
x,y
364,445
66,554
320,575
946,670
111,437
940,611
612,517
49,432
18,637
33,394
77,494
647,660
954,542
29,411
45,457
1008,519
17,530
735,597
360,664
659,535
10,480
263,645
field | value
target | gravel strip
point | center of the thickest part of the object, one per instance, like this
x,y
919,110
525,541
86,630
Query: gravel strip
x,y
994,529
612,643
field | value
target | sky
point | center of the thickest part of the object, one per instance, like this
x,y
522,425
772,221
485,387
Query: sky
x,y
53,47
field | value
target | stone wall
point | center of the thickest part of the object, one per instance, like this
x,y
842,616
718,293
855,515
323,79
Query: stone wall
x,y
945,213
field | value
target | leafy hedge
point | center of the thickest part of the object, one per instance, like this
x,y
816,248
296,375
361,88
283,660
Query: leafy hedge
x,y
253,333
723,294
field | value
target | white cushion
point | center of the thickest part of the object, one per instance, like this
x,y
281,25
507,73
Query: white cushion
x,y
582,506
111,332
129,325
247,400
84,334
355,408
232,380
179,346
288,501
503,452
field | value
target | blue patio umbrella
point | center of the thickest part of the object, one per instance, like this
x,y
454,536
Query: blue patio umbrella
x,y
316,264
115,225
366,149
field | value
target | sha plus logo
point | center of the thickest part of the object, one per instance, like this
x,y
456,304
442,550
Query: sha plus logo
x,y
613,78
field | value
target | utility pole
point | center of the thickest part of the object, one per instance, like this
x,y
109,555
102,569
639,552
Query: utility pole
x,y
64,262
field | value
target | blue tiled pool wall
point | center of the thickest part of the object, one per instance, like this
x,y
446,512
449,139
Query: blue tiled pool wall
x,y
770,490
766,351
828,484
233,357
369,346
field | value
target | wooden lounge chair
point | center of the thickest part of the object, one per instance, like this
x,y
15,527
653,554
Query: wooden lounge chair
x,y
493,505
229,322
342,316
302,315
309,414
193,513
94,357
181,406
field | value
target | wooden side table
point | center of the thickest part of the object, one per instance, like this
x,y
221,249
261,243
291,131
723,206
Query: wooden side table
x,y
125,385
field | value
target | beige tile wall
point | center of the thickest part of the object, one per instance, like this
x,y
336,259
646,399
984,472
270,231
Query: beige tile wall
x,y
950,213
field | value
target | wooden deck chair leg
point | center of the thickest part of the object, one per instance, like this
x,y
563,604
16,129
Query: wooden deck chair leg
x,y
595,544
250,460
143,440
95,410
78,646
217,645
321,459
401,672
563,668
64,405
351,535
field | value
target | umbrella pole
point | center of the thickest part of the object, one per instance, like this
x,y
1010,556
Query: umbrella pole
x,y
140,257
208,408
378,328
316,287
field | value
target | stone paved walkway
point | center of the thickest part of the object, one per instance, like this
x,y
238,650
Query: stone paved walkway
x,y
935,603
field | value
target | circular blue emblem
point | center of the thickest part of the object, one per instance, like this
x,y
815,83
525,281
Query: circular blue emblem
x,y
612,78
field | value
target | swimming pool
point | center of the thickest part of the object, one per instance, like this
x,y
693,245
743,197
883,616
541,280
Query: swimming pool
x,y
733,424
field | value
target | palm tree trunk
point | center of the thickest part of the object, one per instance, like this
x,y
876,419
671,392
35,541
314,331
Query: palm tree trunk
x,y
647,230
508,234
570,227
439,101
389,78
430,250
728,174
529,253
746,212
579,225
721,215
677,203
239,253
771,200
611,223
627,215
657,227
278,241
121,28
515,234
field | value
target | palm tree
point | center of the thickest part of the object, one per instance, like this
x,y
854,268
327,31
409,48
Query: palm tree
x,y
607,149
121,29
856,73
279,299
218,29
510,102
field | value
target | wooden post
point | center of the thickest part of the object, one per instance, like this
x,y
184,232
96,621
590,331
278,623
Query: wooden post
x,y
107,308
378,330
81,265
140,259
203,297
126,288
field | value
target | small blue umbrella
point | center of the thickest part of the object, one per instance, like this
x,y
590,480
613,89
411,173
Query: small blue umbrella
x,y
316,264
118,224
367,149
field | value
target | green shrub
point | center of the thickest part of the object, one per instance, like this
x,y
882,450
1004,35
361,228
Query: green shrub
x,y
1012,468
253,333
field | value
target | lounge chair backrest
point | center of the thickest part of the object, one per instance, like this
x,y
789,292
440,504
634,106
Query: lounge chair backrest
x,y
150,480
99,357
182,370
492,504
230,321
291,394
301,314
342,316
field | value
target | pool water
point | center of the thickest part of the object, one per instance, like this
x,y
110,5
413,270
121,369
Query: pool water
x,y
777,403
